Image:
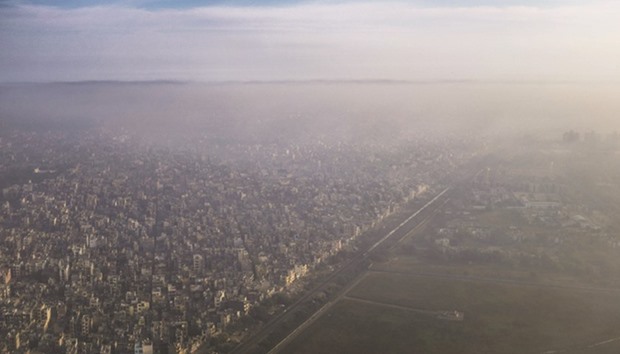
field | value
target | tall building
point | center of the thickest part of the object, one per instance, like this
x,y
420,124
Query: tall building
x,y
198,263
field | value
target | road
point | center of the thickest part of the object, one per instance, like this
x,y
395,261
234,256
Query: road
x,y
394,306
316,315
250,345
419,224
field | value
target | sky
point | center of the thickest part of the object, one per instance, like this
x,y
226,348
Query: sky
x,y
245,40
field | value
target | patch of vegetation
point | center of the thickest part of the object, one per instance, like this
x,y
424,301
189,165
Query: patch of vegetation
x,y
499,318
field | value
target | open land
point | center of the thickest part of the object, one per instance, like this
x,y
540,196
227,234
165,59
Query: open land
x,y
508,267
498,318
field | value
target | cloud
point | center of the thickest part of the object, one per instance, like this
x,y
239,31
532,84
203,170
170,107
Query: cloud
x,y
309,41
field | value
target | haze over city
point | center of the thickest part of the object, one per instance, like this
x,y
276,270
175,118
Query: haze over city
x,y
503,63
284,176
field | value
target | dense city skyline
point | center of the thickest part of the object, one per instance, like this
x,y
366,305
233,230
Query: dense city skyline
x,y
301,176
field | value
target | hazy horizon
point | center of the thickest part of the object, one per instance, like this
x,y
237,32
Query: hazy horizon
x,y
309,176
342,110
545,41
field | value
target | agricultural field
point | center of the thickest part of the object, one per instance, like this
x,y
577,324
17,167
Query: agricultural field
x,y
498,318
526,258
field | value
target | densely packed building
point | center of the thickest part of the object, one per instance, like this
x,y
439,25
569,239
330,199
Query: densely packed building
x,y
110,246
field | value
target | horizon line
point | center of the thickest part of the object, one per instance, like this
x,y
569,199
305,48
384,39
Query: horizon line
x,y
307,81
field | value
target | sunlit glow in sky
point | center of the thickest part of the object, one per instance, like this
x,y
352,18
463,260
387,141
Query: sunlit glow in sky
x,y
291,40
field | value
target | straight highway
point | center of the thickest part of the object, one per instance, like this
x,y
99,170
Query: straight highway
x,y
420,216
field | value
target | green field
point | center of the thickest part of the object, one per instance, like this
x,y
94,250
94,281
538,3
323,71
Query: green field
x,y
499,318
